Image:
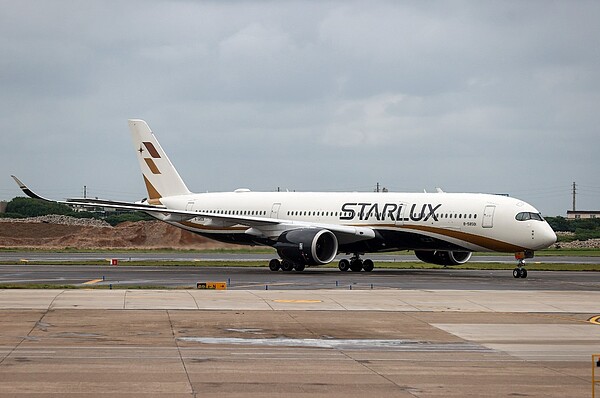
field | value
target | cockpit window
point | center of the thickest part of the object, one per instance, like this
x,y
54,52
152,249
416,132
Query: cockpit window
x,y
524,216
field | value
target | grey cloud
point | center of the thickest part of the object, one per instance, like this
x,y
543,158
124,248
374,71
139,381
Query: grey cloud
x,y
473,96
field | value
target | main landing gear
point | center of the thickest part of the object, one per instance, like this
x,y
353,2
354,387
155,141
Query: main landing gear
x,y
285,265
356,264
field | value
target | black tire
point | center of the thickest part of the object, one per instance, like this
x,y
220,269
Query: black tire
x,y
517,272
299,267
287,265
344,265
523,273
356,265
274,265
368,265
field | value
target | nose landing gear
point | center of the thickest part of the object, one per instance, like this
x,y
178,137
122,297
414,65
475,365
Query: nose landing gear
x,y
520,271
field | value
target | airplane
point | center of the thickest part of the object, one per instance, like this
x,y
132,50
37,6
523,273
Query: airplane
x,y
310,228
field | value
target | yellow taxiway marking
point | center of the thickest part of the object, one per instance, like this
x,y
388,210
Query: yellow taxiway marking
x,y
595,320
92,281
298,301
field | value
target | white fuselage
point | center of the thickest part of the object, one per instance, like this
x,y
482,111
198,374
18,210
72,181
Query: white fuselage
x,y
474,222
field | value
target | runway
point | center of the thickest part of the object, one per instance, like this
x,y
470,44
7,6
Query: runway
x,y
255,278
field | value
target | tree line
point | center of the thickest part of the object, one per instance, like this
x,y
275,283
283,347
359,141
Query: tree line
x,y
581,228
21,207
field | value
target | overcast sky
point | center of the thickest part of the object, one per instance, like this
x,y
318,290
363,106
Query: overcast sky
x,y
469,96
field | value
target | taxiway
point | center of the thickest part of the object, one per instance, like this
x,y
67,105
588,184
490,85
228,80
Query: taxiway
x,y
254,278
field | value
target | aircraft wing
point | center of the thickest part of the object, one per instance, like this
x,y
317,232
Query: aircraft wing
x,y
264,227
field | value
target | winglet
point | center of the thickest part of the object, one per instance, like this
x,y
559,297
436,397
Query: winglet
x,y
19,182
28,191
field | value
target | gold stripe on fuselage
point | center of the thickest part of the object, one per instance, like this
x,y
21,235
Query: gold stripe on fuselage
x,y
481,241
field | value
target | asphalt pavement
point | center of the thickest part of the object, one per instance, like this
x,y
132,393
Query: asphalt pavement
x,y
261,278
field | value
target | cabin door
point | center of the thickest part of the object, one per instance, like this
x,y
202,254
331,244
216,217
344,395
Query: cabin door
x,y
275,210
488,216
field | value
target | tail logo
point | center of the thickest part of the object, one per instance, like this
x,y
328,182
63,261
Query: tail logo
x,y
151,149
154,155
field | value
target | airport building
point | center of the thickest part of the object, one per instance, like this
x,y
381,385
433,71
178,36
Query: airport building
x,y
578,214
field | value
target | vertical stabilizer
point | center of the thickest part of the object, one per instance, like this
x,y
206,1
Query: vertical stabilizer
x,y
159,174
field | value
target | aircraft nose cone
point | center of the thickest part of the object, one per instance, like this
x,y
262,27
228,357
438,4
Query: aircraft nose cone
x,y
546,237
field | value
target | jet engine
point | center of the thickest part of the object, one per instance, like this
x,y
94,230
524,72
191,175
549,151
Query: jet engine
x,y
308,246
443,257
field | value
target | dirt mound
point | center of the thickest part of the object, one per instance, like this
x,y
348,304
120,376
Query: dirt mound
x,y
130,235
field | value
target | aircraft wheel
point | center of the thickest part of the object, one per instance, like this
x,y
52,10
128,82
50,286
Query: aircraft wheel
x,y
274,265
368,265
287,265
356,265
523,273
299,267
516,273
344,265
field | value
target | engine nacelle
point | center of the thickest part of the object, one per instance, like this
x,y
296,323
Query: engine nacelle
x,y
308,246
443,257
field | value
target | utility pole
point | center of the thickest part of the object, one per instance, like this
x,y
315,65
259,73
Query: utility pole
x,y
377,190
574,193
85,191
